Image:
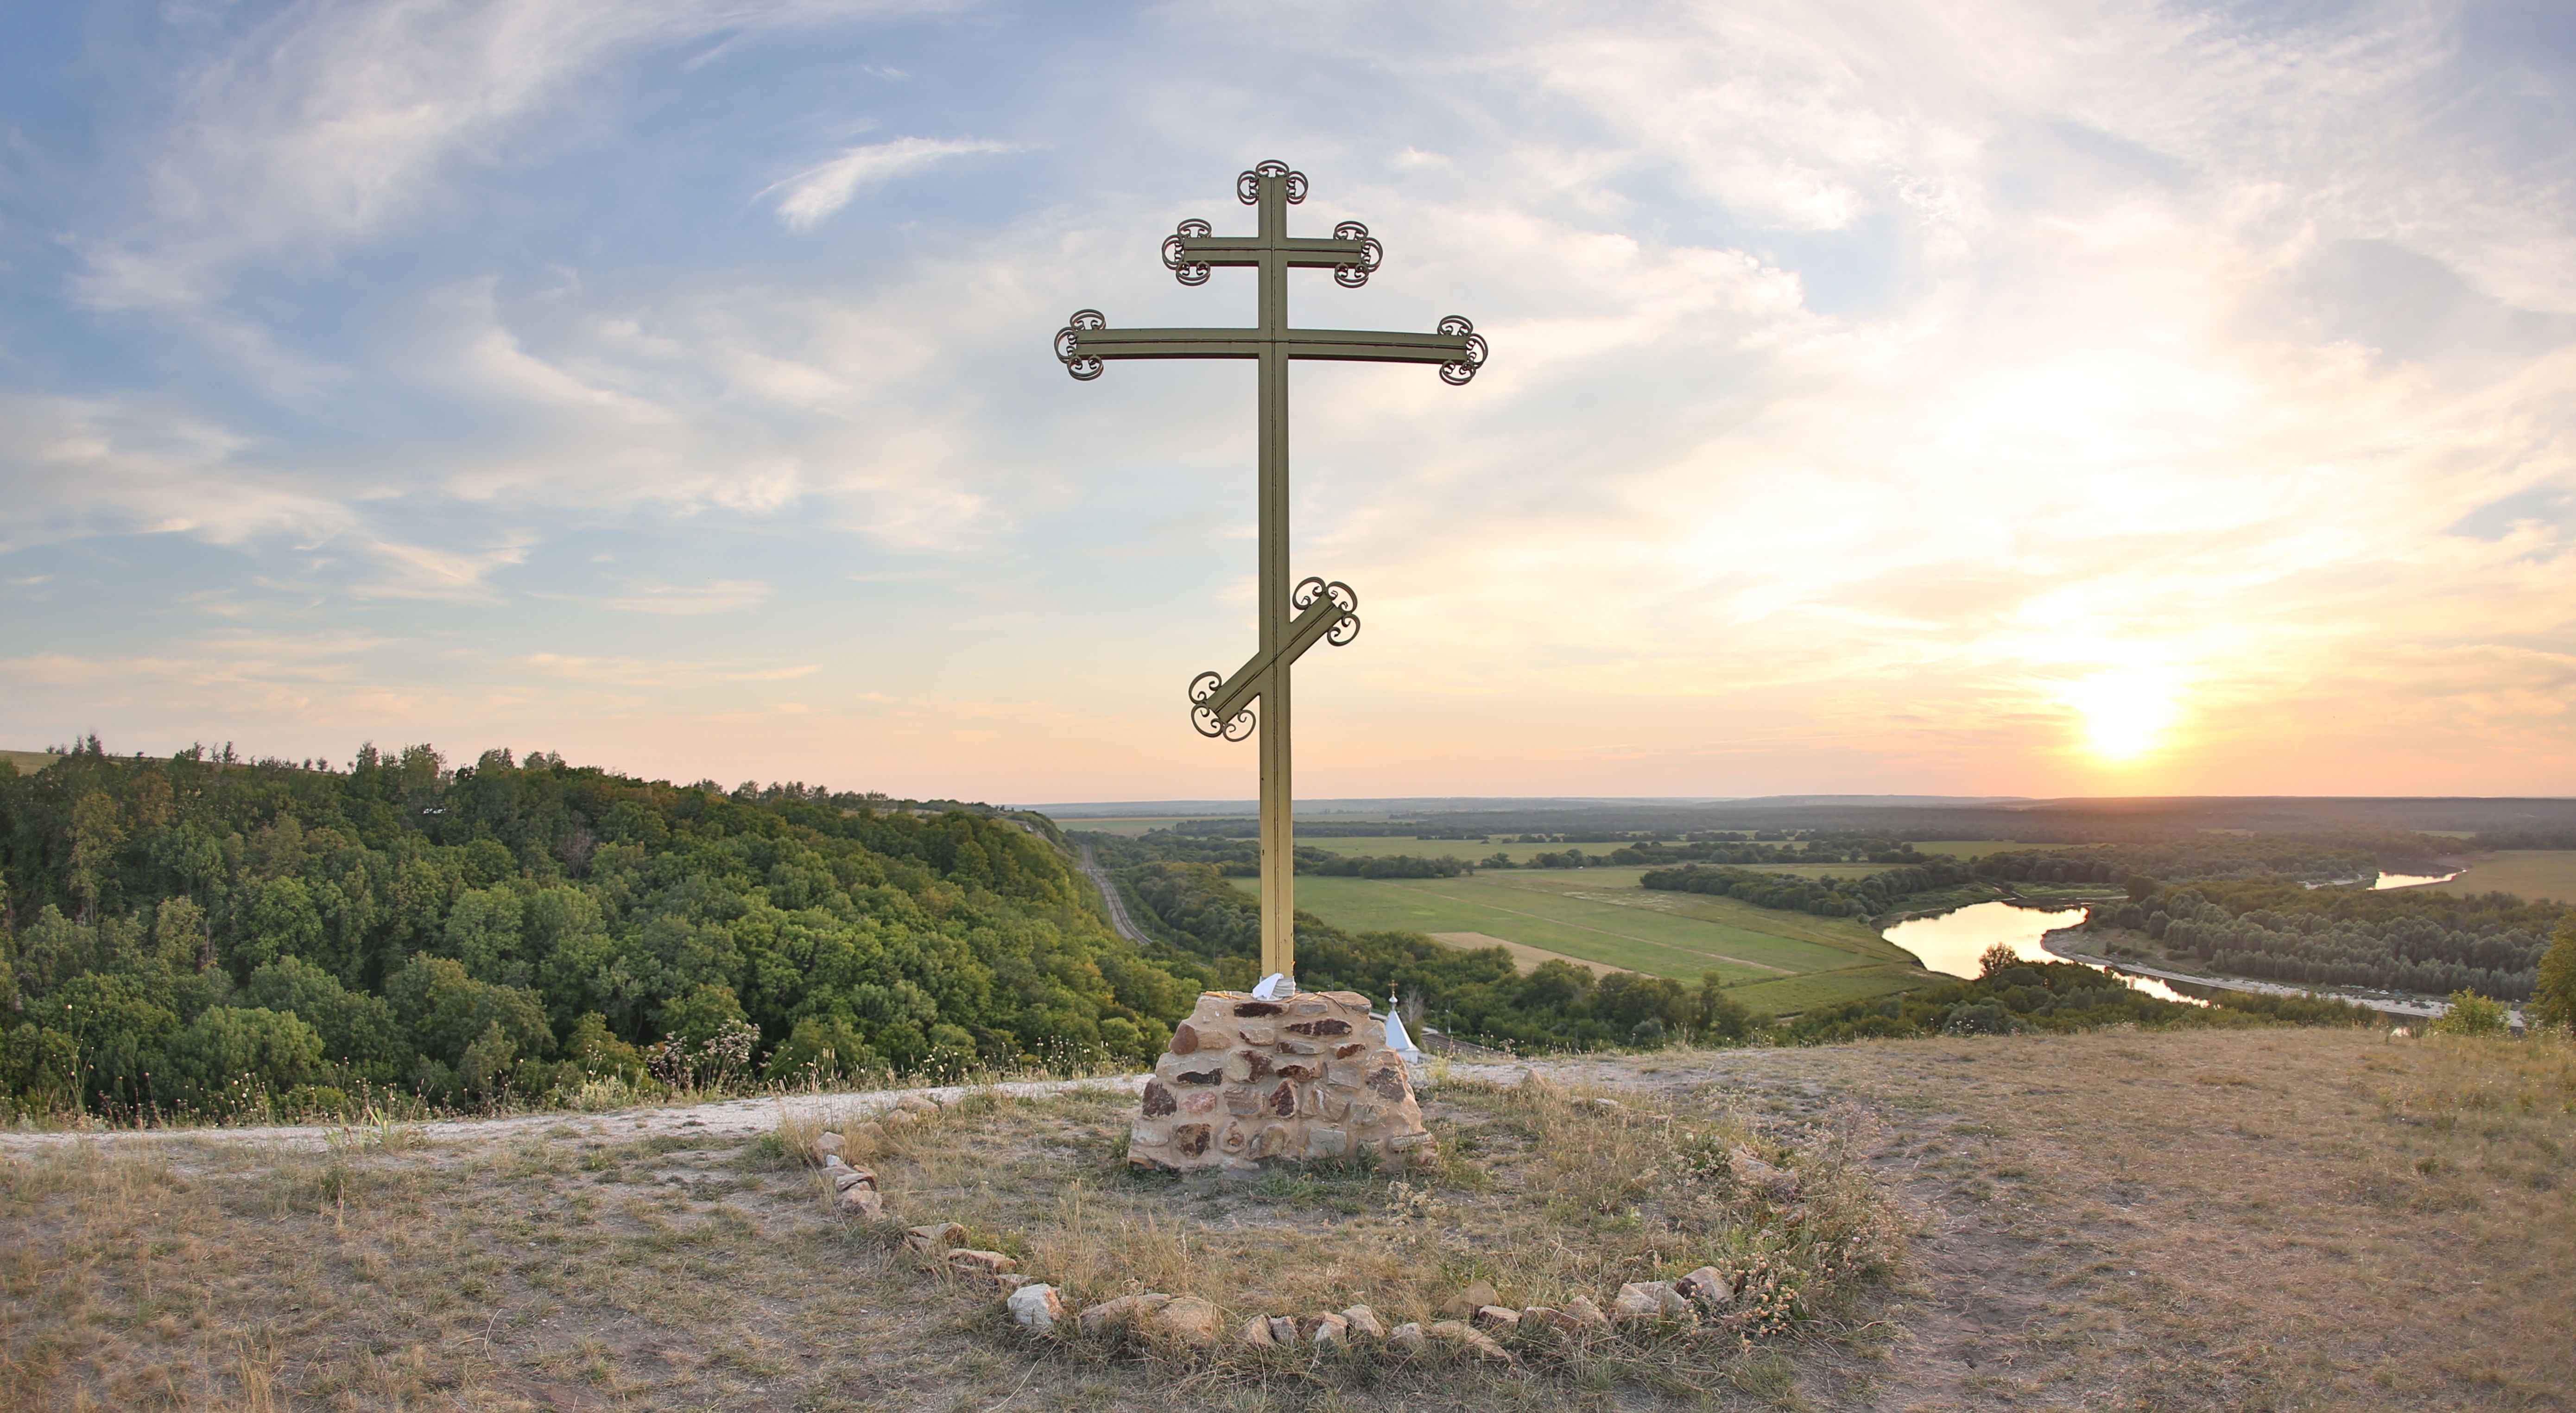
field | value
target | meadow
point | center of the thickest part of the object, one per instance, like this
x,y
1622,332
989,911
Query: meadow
x,y
2536,874
1773,961
2261,1219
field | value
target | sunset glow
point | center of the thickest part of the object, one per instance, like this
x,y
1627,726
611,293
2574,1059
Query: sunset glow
x,y
2126,711
1880,397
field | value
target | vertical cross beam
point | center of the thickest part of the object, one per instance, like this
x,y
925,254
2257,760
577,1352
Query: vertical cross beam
x,y
1278,814
1291,619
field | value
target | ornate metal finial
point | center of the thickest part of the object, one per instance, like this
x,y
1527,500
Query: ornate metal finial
x,y
1348,626
1371,255
1247,187
1176,254
1085,366
1203,687
1458,372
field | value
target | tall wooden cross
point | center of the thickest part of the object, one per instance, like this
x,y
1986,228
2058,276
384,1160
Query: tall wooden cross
x,y
1292,618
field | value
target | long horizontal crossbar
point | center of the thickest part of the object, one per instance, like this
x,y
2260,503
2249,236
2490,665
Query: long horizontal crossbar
x,y
1307,254
1344,345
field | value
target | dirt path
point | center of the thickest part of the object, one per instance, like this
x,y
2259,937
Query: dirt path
x,y
732,1116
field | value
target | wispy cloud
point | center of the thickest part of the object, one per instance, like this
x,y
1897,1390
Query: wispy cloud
x,y
811,195
719,596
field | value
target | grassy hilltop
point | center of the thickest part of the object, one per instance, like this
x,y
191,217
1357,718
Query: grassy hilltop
x,y
2265,1219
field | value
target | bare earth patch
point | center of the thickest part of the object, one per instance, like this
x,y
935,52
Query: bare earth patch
x,y
2263,1219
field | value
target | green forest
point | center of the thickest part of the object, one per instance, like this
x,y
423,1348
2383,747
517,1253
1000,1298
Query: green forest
x,y
200,935
2403,940
1826,897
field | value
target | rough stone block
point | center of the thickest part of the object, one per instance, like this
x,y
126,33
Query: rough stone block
x,y
1650,1300
983,1263
1407,1338
1496,1319
1094,1319
936,1236
1476,1341
1327,1329
1708,1286
830,1145
1475,1297
1256,1333
1587,1313
861,1202
1364,1323
848,1178
1186,1320
1327,1143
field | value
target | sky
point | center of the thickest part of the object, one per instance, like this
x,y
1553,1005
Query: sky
x,y
1965,397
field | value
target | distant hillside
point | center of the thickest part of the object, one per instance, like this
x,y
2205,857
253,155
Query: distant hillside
x,y
191,934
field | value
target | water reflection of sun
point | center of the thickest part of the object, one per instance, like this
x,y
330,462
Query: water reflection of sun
x,y
2126,710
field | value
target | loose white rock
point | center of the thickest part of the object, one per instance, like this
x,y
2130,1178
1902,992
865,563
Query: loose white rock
x,y
1036,1307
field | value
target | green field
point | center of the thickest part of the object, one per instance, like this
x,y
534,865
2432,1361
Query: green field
x,y
1790,995
29,762
1963,848
2526,873
1601,915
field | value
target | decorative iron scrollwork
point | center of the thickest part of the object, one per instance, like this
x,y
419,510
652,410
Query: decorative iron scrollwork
x,y
1348,627
1371,255
1083,366
1176,256
1247,186
1204,720
1458,372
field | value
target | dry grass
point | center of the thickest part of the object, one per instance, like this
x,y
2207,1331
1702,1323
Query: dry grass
x,y
2245,1220
1545,1193
2238,1220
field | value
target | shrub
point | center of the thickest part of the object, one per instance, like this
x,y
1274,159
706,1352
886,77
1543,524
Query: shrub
x,y
231,1060
2553,999
2472,1014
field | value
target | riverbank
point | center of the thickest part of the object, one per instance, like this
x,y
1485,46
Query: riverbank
x,y
2062,944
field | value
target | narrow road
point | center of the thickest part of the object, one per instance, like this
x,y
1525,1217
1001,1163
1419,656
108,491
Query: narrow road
x,y
1109,894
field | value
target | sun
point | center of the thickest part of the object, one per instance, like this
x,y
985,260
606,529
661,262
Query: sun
x,y
2126,710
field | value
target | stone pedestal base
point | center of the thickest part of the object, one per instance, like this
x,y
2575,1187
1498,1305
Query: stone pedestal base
x,y
1249,1081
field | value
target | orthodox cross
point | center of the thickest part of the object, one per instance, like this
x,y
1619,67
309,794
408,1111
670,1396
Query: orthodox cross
x,y
1292,619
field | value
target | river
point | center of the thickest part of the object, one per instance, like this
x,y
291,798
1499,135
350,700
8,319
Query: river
x,y
1953,941
2413,880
